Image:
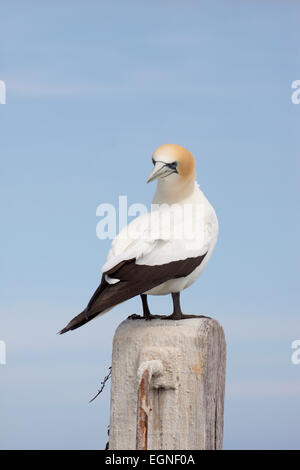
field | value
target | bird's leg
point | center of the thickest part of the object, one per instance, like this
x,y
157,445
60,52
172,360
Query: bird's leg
x,y
177,312
146,311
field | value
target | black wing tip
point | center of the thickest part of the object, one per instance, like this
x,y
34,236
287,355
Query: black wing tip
x,y
71,326
61,332
64,330
76,322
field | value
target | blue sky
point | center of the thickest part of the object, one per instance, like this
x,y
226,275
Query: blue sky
x,y
92,89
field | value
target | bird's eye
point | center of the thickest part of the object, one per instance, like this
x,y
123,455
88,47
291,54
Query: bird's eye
x,y
173,165
153,161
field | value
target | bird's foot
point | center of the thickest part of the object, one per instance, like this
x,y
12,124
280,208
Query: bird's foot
x,y
182,316
147,317
134,317
174,316
151,317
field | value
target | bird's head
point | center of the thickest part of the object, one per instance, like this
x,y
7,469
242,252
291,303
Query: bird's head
x,y
174,166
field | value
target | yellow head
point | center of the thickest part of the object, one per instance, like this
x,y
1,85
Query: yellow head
x,y
173,164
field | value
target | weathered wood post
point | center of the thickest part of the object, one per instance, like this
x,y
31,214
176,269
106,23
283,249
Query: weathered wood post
x,y
168,380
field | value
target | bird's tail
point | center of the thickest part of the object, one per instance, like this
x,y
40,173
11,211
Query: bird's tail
x,y
76,322
89,313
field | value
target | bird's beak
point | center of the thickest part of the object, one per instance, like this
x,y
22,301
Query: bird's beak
x,y
160,169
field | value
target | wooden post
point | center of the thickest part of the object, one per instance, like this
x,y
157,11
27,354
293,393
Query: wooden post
x,y
168,381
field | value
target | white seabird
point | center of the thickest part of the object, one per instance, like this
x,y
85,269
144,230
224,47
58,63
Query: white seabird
x,y
161,252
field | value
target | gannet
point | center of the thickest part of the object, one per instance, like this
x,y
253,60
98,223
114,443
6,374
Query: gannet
x,y
163,251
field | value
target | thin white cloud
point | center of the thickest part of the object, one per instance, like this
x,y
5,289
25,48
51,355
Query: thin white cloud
x,y
130,85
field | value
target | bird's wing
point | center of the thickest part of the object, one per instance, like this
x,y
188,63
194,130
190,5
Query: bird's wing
x,y
144,255
162,236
